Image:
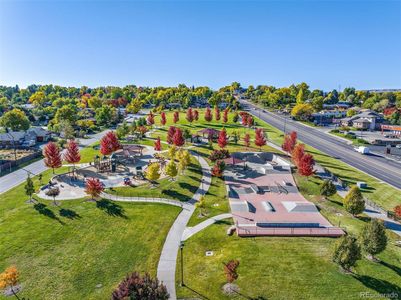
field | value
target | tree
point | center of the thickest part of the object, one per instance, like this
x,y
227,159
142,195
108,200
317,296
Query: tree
x,y
249,121
38,98
163,119
122,130
225,115
178,139
353,201
184,159
52,155
306,164
201,204
260,139
109,143
328,188
29,187
218,168
217,113
170,134
190,115
208,115
222,140
135,286
72,155
150,119
290,140
235,117
374,239
153,172
397,210
93,187
230,270
105,114
172,151
10,279
53,192
176,117
196,115
347,252
247,140
94,102
300,96
298,153
171,169
15,119
302,111
158,146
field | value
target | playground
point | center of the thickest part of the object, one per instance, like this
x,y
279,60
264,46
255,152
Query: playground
x,y
124,167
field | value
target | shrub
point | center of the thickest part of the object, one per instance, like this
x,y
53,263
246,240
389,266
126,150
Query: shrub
x,y
230,269
219,154
353,201
347,252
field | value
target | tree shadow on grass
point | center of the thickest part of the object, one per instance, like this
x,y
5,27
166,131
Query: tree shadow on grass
x,y
380,286
187,186
176,195
111,208
392,267
68,213
44,210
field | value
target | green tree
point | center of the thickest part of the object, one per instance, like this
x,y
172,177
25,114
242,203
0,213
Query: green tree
x,y
94,102
38,98
105,114
29,188
300,97
328,188
374,238
66,113
15,119
172,151
353,201
171,169
347,252
201,204
302,111
122,130
184,159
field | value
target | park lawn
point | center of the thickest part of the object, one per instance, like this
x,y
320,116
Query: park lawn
x,y
284,267
64,252
217,195
181,189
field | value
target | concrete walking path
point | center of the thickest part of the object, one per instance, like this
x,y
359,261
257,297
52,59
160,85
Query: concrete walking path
x,y
190,231
168,258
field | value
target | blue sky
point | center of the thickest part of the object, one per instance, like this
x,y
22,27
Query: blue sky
x,y
324,43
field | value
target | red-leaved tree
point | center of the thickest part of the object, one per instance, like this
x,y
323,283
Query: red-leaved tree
x,y
176,117
158,145
290,140
247,140
217,113
109,143
397,211
218,168
297,153
306,164
222,140
208,115
93,187
196,115
150,120
260,138
163,119
178,139
170,134
190,115
225,115
52,155
72,155
249,121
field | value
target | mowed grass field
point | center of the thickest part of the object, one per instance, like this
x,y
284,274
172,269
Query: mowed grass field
x,y
285,267
79,250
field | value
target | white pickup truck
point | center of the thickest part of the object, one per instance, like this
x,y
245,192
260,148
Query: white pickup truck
x,y
362,149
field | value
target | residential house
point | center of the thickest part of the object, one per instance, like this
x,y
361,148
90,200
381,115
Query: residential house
x,y
24,138
366,119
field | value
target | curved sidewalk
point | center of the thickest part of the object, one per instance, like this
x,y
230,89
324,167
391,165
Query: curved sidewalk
x,y
190,231
168,258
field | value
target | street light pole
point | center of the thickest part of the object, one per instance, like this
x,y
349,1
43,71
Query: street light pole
x,y
182,263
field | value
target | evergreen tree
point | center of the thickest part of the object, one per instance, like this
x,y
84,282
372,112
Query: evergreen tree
x,y
374,239
328,188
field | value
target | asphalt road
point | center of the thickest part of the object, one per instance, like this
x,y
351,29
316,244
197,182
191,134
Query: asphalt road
x,y
383,169
13,179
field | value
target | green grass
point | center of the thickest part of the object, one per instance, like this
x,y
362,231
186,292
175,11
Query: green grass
x,y
216,202
181,189
64,252
284,267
